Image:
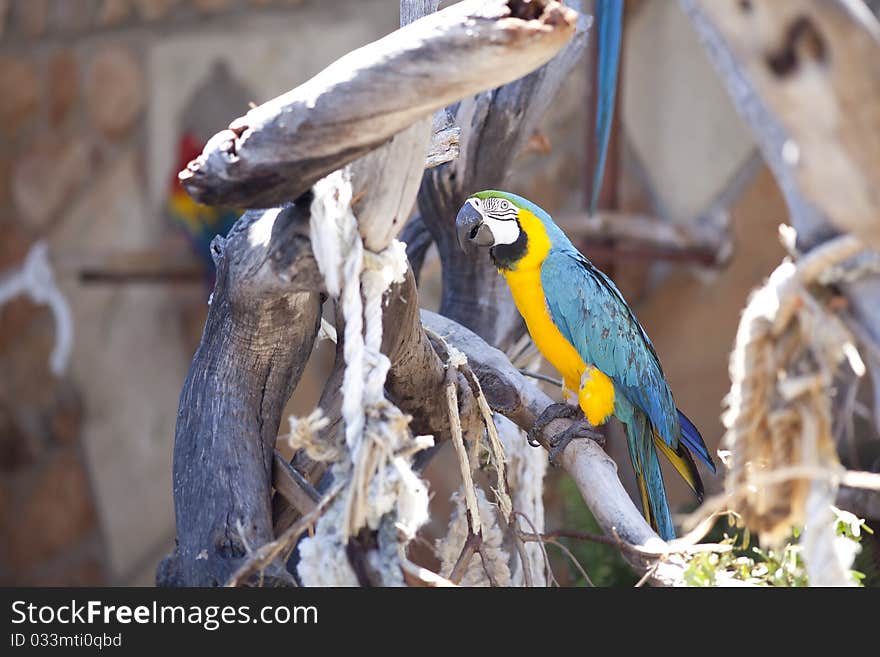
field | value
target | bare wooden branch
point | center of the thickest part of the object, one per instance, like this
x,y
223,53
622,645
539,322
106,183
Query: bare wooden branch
x,y
295,488
279,149
642,235
263,558
592,470
806,76
863,503
445,140
260,329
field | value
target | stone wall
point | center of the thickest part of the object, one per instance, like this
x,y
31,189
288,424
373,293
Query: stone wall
x,y
94,95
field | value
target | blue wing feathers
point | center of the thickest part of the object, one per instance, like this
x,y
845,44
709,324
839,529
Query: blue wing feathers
x,y
592,315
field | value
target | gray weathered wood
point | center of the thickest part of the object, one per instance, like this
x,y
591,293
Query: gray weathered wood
x,y
250,358
279,149
266,305
806,77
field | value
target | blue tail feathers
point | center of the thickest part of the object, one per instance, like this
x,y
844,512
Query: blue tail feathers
x,y
694,441
610,19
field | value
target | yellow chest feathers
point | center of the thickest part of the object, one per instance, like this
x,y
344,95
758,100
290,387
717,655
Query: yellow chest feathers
x,y
595,390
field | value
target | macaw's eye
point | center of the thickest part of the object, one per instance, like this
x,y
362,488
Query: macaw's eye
x,y
505,205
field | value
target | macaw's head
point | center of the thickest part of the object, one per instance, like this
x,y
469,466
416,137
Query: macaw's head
x,y
515,231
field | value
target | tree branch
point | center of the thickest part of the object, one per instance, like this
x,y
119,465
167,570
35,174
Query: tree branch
x,y
592,470
805,76
279,149
257,338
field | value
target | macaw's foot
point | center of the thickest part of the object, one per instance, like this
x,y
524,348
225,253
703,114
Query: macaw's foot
x,y
579,429
552,412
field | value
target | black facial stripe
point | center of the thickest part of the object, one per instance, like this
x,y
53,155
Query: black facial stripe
x,y
505,256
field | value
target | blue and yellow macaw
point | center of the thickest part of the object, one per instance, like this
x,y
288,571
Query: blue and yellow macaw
x,y
581,323
200,223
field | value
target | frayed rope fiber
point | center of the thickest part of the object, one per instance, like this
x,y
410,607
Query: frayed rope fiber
x,y
778,417
378,446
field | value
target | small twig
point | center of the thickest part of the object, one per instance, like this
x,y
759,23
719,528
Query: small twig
x,y
574,560
862,335
267,553
649,573
496,449
851,478
486,569
541,377
523,559
510,529
474,541
859,479
686,545
551,577
471,546
845,421
470,494
292,486
423,575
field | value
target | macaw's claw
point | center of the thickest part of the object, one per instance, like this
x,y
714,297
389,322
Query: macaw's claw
x,y
552,412
579,429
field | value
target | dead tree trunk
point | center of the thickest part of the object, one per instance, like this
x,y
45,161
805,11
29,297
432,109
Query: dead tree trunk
x,y
265,308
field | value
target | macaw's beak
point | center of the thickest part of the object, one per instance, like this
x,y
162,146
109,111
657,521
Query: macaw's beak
x,y
472,231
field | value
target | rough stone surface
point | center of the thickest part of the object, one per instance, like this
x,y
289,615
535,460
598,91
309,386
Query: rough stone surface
x,y
47,176
62,84
152,10
30,17
113,12
54,510
212,5
19,93
127,360
115,91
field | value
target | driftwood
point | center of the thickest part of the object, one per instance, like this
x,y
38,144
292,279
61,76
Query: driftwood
x,y
264,316
806,77
592,470
278,150
640,236
372,113
265,310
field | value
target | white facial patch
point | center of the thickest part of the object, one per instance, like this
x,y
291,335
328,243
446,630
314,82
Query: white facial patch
x,y
504,231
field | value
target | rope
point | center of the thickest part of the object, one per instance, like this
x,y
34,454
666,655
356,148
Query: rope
x,y
788,347
377,459
36,280
305,435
